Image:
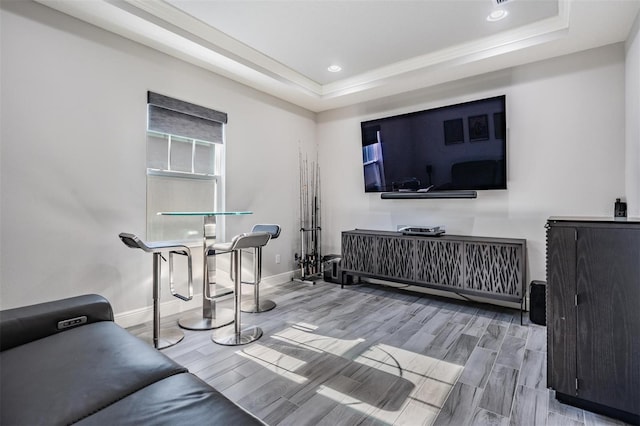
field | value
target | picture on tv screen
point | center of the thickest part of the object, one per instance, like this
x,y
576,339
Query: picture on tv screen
x,y
456,147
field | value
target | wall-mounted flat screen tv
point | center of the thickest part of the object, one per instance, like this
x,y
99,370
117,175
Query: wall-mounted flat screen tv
x,y
455,147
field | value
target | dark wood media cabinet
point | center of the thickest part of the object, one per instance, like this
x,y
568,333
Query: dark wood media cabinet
x,y
493,268
593,320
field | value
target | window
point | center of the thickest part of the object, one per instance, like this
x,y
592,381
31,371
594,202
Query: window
x,y
374,179
371,153
185,166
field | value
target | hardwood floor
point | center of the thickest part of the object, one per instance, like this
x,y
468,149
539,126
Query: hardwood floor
x,y
366,355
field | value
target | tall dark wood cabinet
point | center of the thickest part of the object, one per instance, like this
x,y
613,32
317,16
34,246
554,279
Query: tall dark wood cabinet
x,y
593,314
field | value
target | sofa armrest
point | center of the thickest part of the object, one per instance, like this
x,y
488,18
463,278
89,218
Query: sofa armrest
x,y
22,325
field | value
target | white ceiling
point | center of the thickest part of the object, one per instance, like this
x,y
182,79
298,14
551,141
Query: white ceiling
x,y
308,36
384,47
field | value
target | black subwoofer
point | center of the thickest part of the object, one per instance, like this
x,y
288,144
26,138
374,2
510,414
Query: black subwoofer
x,y
332,269
537,302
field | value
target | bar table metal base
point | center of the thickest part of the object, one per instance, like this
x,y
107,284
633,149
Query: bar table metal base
x,y
262,306
196,321
211,316
229,336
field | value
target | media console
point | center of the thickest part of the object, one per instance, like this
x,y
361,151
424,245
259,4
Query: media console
x,y
493,268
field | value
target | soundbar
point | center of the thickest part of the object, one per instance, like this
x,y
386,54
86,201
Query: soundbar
x,y
434,194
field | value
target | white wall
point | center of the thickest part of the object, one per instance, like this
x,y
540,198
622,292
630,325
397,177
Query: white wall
x,y
566,154
632,128
73,158
73,155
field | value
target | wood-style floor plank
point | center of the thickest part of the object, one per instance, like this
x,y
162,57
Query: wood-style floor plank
x,y
478,367
500,390
373,355
460,405
534,370
511,352
529,407
483,417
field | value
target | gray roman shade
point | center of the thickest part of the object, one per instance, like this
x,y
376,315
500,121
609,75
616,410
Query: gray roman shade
x,y
179,118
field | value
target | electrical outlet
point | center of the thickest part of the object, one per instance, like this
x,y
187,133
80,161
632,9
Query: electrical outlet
x,y
277,258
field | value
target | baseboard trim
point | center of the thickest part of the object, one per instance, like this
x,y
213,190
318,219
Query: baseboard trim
x,y
282,278
625,416
170,307
175,306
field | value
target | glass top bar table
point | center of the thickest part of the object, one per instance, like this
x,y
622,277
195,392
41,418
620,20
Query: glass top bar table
x,y
211,317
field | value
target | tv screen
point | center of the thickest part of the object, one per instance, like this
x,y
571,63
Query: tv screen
x,y
456,147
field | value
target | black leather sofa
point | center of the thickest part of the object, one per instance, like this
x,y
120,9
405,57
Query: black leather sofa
x,y
90,371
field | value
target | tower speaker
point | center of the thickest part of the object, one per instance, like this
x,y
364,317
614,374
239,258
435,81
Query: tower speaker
x,y
537,302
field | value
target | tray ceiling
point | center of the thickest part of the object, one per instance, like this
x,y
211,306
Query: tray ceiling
x,y
384,47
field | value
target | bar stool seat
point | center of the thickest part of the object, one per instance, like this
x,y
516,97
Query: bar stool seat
x,y
236,335
258,305
168,337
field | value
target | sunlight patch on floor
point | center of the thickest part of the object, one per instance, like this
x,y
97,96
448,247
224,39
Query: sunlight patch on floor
x,y
298,335
274,361
427,381
303,326
409,365
433,380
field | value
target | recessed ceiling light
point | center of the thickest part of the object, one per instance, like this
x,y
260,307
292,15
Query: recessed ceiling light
x,y
334,68
497,15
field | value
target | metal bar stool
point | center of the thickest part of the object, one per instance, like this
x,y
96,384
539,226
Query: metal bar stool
x,y
170,336
257,305
238,335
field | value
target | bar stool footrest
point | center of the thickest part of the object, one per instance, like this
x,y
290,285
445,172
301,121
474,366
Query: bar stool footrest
x,y
220,294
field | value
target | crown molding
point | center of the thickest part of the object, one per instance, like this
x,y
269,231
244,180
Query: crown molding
x,y
199,32
478,50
